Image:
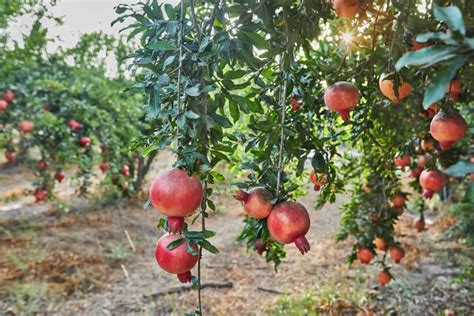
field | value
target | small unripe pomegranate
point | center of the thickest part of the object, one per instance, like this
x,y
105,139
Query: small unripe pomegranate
x,y
432,181
74,125
257,202
379,243
26,126
341,98
365,255
8,95
59,176
403,161
10,156
384,278
259,246
288,223
423,160
447,128
398,201
3,105
125,170
419,224
40,195
415,172
177,261
387,88
346,8
454,90
104,167
175,193
397,253
42,165
85,141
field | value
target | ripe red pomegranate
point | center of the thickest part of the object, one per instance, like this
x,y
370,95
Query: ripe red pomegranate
x,y
397,253
74,125
398,201
3,105
403,161
341,98
10,155
177,261
42,165
125,170
59,176
257,202
379,243
289,222
26,126
388,90
454,90
447,128
295,104
104,167
346,8
85,141
365,255
415,172
40,195
431,181
175,193
259,246
419,224
384,278
8,96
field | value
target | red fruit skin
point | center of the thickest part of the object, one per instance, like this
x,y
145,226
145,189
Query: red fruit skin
x,y
59,176
341,98
42,165
454,90
432,181
26,126
288,223
3,105
10,156
447,129
403,161
257,202
40,195
384,278
259,247
177,261
175,224
380,244
423,160
104,167
125,170
419,224
396,253
85,141
365,255
346,8
398,201
74,125
175,193
415,172
417,46
8,96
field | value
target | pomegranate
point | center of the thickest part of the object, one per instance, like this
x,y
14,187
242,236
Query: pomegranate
x,y
85,141
346,8
419,224
379,243
423,160
447,128
341,98
454,90
398,201
175,193
417,46
403,161
3,105
398,211
125,170
104,167
40,195
415,172
318,180
42,165
365,255
59,176
384,278
74,125
289,222
387,88
257,202
259,246
397,253
177,261
295,104
8,96
427,145
10,155
433,109
431,181
26,126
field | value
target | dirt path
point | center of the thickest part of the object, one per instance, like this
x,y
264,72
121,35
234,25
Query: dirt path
x,y
83,264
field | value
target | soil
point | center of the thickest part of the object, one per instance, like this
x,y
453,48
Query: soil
x,y
99,261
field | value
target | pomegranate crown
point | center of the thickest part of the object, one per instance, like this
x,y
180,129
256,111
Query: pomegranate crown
x,y
240,195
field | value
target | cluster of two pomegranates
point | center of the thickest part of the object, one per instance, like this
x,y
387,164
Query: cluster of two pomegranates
x,y
288,222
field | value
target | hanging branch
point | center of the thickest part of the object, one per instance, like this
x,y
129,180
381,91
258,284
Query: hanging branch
x,y
180,63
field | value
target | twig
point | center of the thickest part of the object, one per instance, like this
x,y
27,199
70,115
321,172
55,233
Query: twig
x,y
193,16
125,272
187,287
270,290
130,241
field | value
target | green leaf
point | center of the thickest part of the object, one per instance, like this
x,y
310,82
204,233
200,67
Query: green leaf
x,y
193,91
235,74
460,169
440,83
318,162
256,39
209,247
426,57
147,204
175,244
170,11
452,16
161,45
190,249
191,115
234,110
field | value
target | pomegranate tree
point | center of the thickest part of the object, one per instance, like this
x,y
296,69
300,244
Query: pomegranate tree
x,y
341,98
431,181
288,223
447,128
177,260
257,202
